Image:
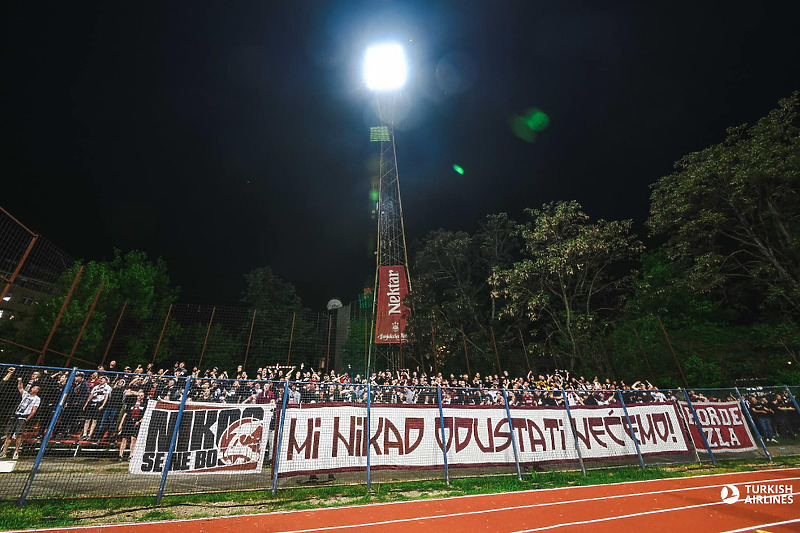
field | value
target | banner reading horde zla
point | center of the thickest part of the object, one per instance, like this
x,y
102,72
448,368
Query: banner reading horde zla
x,y
334,437
390,325
724,426
212,439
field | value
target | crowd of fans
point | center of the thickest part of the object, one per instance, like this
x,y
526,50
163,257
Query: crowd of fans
x,y
107,405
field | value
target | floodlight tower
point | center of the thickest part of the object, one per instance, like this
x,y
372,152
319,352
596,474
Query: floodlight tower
x,y
385,73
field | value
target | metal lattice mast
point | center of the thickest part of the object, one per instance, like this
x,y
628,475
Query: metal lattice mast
x,y
391,243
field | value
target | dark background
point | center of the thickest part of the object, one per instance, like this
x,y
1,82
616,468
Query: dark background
x,y
224,136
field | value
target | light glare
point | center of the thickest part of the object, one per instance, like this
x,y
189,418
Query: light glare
x,y
385,67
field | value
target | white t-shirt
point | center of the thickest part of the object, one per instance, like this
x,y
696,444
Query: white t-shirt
x,y
99,392
27,405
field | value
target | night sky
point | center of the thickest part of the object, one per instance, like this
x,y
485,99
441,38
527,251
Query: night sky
x,y
225,136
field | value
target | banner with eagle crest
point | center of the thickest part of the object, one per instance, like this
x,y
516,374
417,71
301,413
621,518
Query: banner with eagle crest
x,y
213,438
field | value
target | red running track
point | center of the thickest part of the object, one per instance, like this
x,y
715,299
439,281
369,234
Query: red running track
x,y
668,505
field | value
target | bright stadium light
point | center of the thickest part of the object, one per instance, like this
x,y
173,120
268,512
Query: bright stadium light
x,y
385,67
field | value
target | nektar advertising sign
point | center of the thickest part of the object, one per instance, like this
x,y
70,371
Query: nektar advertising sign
x,y
212,438
390,325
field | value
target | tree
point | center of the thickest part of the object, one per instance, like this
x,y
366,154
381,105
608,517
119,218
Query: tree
x,y
498,244
266,292
573,277
354,350
731,211
452,301
280,318
446,287
128,277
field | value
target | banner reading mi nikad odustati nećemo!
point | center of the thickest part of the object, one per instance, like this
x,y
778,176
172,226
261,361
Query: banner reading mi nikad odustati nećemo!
x,y
329,438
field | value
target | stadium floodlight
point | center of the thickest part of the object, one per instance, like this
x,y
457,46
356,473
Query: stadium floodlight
x,y
385,67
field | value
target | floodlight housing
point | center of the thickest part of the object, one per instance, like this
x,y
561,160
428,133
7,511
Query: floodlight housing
x,y
385,67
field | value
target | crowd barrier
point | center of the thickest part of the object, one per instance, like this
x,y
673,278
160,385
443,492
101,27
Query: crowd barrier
x,y
81,433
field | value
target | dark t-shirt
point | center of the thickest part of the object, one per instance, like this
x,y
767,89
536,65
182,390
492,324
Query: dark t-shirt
x,y
79,393
115,399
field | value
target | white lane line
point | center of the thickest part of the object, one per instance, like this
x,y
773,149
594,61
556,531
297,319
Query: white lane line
x,y
633,515
760,526
533,506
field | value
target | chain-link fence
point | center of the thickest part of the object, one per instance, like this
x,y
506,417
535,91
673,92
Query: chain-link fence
x,y
84,433
59,312
30,268
156,335
775,417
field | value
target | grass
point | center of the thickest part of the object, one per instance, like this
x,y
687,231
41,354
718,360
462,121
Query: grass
x,y
77,512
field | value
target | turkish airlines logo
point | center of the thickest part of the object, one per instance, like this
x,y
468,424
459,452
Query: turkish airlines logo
x,y
729,494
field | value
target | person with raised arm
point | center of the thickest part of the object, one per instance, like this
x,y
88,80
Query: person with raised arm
x,y
22,414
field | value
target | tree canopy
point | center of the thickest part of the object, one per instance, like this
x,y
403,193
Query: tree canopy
x,y
731,211
572,277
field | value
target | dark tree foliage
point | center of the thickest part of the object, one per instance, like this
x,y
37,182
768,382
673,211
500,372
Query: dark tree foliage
x,y
130,280
571,281
455,311
731,212
280,319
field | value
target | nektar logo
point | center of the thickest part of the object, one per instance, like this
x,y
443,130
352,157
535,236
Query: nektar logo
x,y
729,494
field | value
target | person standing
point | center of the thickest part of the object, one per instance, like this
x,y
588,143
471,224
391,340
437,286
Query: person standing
x,y
93,407
22,414
135,405
761,416
73,406
7,388
50,393
111,410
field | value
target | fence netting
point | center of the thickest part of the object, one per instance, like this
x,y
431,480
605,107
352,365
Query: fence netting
x,y
88,426
719,424
224,439
322,433
84,433
775,417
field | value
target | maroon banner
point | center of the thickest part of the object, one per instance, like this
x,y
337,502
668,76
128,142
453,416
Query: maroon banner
x,y
390,326
724,425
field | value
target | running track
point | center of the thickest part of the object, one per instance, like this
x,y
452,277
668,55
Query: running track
x,y
669,505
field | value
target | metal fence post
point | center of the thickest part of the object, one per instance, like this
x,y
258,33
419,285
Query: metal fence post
x,y
441,427
511,430
797,408
43,354
367,431
699,427
174,441
630,428
752,423
277,460
574,432
46,438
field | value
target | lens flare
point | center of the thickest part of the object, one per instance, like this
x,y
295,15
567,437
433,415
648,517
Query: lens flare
x,y
536,119
458,169
528,124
